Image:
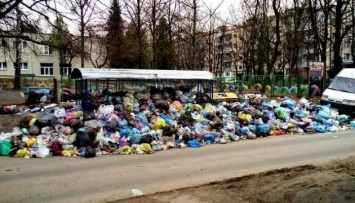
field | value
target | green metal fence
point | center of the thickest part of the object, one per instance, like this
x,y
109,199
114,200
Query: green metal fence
x,y
269,84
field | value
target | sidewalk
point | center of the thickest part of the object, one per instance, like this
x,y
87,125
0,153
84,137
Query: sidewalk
x,y
11,97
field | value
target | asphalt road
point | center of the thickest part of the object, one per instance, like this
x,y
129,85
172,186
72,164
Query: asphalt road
x,y
100,179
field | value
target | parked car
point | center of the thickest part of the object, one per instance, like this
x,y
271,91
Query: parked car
x,y
340,93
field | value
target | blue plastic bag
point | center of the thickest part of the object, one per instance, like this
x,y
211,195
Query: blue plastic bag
x,y
252,128
166,119
244,130
330,122
262,128
123,122
299,113
318,128
142,118
157,147
136,138
209,137
289,104
194,144
269,115
126,131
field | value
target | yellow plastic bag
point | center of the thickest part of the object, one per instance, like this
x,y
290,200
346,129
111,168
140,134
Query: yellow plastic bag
x,y
21,152
197,107
208,107
30,142
145,148
242,116
77,114
125,150
67,152
245,117
159,124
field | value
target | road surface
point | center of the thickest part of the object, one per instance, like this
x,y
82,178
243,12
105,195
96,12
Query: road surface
x,y
100,179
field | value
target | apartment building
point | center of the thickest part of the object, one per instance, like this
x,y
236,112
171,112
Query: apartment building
x,y
42,61
220,51
229,54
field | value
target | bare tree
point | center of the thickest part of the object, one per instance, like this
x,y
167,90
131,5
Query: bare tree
x,y
211,18
155,10
135,11
18,33
188,27
276,43
97,50
85,12
19,21
250,35
342,25
193,57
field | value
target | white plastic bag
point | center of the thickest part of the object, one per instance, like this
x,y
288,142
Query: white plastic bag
x,y
106,109
60,113
137,192
39,151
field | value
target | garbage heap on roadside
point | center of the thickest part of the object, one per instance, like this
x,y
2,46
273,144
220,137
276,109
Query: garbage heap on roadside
x,y
143,123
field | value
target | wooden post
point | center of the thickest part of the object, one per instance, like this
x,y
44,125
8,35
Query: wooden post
x,y
56,92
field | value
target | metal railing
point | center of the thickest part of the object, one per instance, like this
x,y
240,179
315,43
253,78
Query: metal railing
x,y
268,84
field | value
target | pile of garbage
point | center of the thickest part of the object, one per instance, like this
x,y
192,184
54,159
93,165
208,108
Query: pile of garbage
x,y
143,124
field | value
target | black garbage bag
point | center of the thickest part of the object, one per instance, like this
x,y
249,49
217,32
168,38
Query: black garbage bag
x,y
169,131
89,115
89,152
112,126
82,138
146,138
34,130
162,104
34,97
76,124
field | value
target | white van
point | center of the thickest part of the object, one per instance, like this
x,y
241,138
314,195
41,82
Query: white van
x,y
340,94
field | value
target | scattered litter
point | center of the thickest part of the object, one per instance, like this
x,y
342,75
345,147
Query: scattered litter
x,y
147,122
137,192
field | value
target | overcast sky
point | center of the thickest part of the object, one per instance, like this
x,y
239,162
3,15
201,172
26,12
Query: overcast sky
x,y
223,11
225,5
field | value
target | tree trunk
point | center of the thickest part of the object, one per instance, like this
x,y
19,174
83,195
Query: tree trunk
x,y
338,62
17,83
82,30
193,37
275,55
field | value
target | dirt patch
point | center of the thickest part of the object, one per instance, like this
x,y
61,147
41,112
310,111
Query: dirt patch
x,y
9,121
8,97
332,182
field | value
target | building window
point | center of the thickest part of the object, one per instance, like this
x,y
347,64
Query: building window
x,y
346,57
46,50
66,71
3,66
46,69
3,44
24,66
20,45
347,42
